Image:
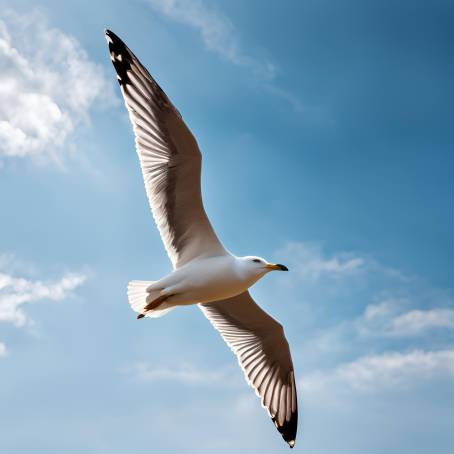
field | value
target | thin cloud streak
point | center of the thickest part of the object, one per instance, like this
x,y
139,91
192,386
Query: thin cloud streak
x,y
388,319
385,371
310,262
216,30
183,373
219,36
416,321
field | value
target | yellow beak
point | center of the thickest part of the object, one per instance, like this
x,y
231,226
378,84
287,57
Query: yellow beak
x,y
276,266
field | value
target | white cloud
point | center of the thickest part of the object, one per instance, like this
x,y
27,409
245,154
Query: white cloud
x,y
216,30
2,350
349,304
376,320
417,321
309,261
389,319
183,373
16,291
388,370
379,311
48,85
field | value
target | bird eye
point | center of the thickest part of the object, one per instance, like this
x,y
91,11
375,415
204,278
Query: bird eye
x,y
256,260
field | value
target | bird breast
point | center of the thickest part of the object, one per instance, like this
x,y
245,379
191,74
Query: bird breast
x,y
208,279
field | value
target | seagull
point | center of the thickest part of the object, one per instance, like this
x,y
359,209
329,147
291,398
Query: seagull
x,y
204,272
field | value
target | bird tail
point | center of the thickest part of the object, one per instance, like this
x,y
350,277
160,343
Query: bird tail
x,y
138,295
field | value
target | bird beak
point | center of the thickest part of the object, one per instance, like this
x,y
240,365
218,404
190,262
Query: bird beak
x,y
276,266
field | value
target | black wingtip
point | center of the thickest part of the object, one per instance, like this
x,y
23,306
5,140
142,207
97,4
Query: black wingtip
x,y
112,35
288,429
113,39
120,56
109,35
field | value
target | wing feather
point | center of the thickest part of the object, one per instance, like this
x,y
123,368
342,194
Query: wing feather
x,y
170,160
263,353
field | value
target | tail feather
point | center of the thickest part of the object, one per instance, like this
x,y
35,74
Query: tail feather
x,y
137,296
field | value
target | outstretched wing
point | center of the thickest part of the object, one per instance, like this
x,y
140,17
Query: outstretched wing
x,y
263,353
170,160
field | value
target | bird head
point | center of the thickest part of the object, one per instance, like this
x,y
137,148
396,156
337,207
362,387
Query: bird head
x,y
260,265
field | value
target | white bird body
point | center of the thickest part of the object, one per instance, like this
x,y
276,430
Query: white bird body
x,y
208,279
205,273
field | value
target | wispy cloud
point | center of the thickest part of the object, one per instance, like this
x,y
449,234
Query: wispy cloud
x,y
310,262
221,37
216,30
388,370
417,321
182,373
15,292
389,318
350,305
48,84
2,350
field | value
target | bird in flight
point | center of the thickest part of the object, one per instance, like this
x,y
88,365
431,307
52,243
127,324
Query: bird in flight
x,y
204,272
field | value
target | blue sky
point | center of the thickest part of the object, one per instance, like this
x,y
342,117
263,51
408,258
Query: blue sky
x,y
326,130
